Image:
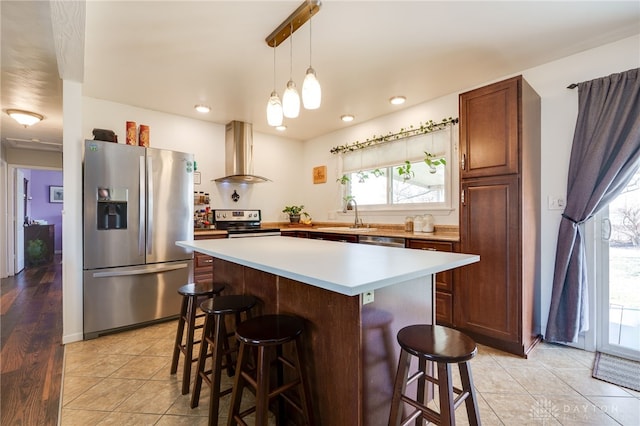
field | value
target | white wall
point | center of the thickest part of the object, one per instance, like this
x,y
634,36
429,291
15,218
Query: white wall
x,y
559,112
289,163
4,215
323,200
275,158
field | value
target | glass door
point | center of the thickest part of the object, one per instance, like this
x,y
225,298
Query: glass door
x,y
619,275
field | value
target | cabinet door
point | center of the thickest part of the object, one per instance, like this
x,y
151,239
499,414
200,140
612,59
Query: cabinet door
x,y
487,293
203,263
489,130
444,280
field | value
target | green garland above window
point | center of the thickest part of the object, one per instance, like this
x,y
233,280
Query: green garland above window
x,y
423,129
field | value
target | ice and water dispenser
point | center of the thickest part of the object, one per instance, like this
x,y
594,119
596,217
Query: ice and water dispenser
x,y
112,208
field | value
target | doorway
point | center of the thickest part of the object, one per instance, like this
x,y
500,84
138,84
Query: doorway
x,y
618,281
30,206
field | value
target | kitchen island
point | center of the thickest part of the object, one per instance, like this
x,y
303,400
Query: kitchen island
x,y
354,298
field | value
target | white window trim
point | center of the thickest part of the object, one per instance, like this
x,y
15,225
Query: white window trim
x,y
403,209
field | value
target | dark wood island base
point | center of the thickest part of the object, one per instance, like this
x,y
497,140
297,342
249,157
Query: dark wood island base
x,y
350,348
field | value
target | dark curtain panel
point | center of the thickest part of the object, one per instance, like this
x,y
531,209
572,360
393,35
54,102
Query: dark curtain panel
x,y
604,157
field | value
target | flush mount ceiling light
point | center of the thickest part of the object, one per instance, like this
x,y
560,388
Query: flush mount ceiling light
x,y
202,108
310,88
25,118
397,100
347,118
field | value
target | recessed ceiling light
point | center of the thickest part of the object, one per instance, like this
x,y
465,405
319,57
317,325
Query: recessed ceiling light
x,y
347,118
202,108
281,128
397,100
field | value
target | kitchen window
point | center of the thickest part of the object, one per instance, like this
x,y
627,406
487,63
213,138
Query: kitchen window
x,y
379,178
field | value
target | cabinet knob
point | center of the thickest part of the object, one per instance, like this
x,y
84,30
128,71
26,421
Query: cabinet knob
x,y
208,261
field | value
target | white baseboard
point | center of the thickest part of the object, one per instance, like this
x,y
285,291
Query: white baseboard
x,y
75,337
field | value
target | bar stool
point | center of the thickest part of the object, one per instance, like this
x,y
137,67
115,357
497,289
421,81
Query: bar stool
x,y
215,334
264,334
188,315
444,346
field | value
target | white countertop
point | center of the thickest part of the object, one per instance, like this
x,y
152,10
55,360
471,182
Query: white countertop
x,y
345,268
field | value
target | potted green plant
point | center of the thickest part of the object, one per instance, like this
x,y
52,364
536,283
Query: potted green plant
x,y
405,171
432,161
343,180
293,212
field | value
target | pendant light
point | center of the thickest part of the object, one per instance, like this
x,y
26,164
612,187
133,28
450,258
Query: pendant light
x,y
274,106
290,97
311,91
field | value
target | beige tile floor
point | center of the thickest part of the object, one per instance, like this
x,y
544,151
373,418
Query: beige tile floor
x,y
124,379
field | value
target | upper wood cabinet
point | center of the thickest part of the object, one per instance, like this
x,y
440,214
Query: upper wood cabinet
x,y
494,299
489,119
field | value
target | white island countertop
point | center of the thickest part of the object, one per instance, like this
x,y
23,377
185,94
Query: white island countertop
x,y
345,268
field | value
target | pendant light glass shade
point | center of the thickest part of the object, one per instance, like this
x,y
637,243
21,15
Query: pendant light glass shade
x,y
291,101
274,106
274,110
311,91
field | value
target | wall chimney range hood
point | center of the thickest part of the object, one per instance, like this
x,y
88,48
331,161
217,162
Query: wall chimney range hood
x,y
239,154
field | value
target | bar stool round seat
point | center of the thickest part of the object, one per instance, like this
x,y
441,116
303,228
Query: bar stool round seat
x,y
190,293
216,336
266,333
444,346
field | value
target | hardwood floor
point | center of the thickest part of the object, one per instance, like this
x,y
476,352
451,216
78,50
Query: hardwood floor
x,y
32,353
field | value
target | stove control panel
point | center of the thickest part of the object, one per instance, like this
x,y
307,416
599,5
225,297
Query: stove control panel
x,y
236,215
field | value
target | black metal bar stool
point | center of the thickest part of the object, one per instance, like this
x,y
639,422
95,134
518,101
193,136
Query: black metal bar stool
x,y
264,334
444,346
215,334
188,315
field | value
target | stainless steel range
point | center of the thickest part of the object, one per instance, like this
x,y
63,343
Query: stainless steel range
x,y
242,223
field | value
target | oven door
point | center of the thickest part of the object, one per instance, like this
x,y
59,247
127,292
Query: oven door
x,y
249,233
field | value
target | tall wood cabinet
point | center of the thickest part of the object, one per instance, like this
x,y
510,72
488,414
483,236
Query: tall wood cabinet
x,y
500,215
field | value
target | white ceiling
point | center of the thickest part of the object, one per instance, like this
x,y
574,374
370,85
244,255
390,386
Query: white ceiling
x,y
170,55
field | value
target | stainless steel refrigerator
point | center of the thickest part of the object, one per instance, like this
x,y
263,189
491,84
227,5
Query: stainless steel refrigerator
x,y
137,203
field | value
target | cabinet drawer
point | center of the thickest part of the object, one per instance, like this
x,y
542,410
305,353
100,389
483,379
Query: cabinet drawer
x,y
297,234
202,261
444,308
344,238
444,280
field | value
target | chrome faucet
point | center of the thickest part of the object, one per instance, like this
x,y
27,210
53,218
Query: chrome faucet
x,y
352,205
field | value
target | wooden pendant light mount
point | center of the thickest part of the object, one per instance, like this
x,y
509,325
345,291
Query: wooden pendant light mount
x,y
297,19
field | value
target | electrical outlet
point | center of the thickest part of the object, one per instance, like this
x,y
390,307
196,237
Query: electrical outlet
x,y
556,202
367,297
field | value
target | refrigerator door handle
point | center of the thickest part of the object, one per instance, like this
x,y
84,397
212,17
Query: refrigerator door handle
x,y
140,271
150,211
142,204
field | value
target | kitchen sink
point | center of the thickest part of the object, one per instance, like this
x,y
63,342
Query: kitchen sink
x,y
346,228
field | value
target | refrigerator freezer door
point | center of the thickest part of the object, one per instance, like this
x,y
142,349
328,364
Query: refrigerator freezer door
x,y
170,204
112,172
115,298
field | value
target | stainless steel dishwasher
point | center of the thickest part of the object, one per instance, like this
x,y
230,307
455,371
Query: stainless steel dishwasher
x,y
381,241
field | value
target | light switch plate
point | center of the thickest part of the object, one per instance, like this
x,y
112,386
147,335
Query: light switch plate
x,y
367,297
556,202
